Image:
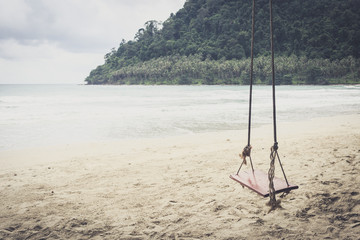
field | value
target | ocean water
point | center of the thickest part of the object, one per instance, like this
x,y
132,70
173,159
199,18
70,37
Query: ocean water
x,y
37,115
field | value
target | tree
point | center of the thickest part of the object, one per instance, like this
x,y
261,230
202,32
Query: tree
x,y
221,29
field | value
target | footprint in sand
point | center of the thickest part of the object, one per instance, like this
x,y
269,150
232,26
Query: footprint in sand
x,y
37,228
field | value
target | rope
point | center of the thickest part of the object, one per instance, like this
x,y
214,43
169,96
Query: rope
x,y
245,153
272,203
273,71
251,68
247,149
274,148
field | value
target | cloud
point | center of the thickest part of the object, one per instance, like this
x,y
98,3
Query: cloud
x,y
55,41
45,63
11,49
78,25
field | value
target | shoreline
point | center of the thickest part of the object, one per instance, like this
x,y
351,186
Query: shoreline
x,y
263,132
179,187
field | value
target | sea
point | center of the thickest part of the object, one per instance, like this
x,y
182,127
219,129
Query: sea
x,y
38,115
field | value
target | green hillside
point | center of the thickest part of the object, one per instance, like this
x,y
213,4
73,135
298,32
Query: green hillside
x,y
208,42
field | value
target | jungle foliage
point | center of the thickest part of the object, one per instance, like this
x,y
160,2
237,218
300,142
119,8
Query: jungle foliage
x,y
208,42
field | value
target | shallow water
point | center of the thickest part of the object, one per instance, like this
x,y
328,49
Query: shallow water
x,y
36,115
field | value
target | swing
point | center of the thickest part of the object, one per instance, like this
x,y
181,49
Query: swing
x,y
258,181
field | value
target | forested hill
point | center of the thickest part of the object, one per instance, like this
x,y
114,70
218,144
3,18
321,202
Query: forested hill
x,y
208,42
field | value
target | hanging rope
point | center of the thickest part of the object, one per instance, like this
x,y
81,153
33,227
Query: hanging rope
x,y
273,203
251,68
245,153
273,71
247,149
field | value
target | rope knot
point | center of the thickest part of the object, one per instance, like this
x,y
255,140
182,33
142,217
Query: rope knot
x,y
245,153
275,147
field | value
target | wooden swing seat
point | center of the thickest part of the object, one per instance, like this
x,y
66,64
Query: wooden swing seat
x,y
258,182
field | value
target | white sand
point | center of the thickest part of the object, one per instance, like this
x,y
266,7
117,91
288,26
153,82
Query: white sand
x,y
179,187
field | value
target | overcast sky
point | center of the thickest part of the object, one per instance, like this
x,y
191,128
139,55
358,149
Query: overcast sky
x,y
61,41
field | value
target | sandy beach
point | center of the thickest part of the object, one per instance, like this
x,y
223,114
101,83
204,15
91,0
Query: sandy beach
x,y
179,187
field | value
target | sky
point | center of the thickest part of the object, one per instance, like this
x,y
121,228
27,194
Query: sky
x,y
61,41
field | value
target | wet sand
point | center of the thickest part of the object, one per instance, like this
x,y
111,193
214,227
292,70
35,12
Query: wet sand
x,y
179,187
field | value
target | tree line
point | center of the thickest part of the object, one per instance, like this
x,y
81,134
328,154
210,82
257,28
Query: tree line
x,y
193,70
208,42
